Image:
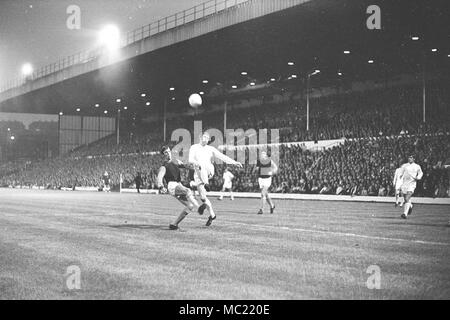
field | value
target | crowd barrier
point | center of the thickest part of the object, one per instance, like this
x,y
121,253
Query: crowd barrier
x,y
279,196
320,197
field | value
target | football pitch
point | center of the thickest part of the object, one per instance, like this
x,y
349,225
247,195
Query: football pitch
x,y
120,247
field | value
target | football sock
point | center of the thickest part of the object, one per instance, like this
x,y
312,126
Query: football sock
x,y
269,201
192,200
406,208
180,218
208,203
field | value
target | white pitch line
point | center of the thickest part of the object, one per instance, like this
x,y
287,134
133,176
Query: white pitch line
x,y
344,234
336,233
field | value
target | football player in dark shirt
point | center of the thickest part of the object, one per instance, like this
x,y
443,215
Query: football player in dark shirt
x,y
169,175
266,168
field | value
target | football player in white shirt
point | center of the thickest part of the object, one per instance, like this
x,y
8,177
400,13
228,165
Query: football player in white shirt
x,y
412,172
397,182
227,183
201,156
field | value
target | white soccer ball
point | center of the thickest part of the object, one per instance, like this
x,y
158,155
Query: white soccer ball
x,y
195,100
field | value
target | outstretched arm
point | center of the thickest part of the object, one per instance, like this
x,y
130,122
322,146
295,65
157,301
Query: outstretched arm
x,y
274,167
226,159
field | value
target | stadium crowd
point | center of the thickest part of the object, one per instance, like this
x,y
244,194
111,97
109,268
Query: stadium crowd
x,y
359,167
376,113
380,129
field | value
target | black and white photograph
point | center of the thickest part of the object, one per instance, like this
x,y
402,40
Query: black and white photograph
x,y
224,154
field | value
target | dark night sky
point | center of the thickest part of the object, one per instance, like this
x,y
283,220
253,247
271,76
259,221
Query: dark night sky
x,y
35,31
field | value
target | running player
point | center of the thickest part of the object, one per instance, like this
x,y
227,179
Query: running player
x,y
412,172
106,180
227,183
266,169
397,182
201,156
169,173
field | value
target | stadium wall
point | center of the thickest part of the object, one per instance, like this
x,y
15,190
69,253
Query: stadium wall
x,y
317,197
278,196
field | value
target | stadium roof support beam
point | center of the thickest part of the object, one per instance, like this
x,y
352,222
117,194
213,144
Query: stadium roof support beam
x,y
243,12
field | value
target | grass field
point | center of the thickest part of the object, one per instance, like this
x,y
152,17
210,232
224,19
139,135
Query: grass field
x,y
306,250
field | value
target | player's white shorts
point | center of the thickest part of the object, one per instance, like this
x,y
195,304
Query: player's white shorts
x,y
172,187
265,182
408,187
176,189
227,185
398,187
203,175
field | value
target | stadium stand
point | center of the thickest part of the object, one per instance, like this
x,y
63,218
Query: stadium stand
x,y
379,126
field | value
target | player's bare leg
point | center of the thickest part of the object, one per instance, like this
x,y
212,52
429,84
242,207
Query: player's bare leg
x,y
221,194
269,201
224,191
205,200
398,199
407,205
266,198
186,197
191,202
263,202
183,214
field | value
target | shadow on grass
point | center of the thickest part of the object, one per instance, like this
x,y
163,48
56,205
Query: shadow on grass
x,y
159,227
388,218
